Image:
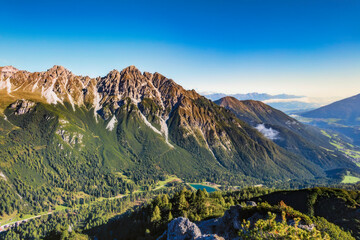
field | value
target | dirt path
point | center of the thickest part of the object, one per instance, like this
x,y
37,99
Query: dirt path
x,y
17,223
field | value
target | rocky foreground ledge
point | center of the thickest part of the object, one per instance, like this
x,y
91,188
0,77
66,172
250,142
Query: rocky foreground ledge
x,y
226,227
182,229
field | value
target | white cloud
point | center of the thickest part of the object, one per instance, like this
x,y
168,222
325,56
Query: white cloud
x,y
267,132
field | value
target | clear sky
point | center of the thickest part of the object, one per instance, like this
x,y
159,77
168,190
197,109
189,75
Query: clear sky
x,y
300,47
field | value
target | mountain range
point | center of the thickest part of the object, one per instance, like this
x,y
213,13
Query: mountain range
x,y
345,111
342,116
250,96
284,102
286,131
124,131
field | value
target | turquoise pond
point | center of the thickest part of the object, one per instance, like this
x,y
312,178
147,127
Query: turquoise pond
x,y
207,188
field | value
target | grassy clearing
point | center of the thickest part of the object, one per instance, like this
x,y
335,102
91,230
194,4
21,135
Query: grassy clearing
x,y
350,179
124,177
60,208
162,184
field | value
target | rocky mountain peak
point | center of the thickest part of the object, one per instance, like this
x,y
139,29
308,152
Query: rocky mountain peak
x,y
130,68
128,74
247,107
58,70
113,74
8,71
228,99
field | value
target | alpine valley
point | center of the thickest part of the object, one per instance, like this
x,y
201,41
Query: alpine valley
x,y
76,153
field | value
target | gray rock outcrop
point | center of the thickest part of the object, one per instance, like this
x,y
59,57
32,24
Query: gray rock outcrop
x,y
22,106
183,229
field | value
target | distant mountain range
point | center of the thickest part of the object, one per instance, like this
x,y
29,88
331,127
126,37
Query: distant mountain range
x,y
284,102
250,96
342,116
346,111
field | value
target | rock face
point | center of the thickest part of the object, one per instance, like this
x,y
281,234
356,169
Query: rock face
x,y
251,203
22,106
7,71
183,229
226,227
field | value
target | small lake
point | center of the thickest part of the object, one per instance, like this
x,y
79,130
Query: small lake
x,y
207,188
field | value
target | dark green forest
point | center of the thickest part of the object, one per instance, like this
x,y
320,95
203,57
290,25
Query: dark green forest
x,y
151,216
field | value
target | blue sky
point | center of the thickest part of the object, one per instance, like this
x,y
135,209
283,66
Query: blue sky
x,y
292,46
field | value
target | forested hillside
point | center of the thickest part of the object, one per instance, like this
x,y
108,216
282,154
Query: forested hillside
x,y
212,213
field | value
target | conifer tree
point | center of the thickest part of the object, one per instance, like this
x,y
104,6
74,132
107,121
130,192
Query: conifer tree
x,y
156,215
182,201
170,216
165,199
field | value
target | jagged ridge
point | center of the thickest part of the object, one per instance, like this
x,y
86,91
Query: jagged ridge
x,y
184,118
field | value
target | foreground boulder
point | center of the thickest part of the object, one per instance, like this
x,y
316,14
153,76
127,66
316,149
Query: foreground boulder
x,y
183,229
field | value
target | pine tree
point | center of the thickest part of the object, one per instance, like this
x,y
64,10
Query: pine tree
x,y
165,199
200,195
193,197
170,217
183,204
231,201
156,216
